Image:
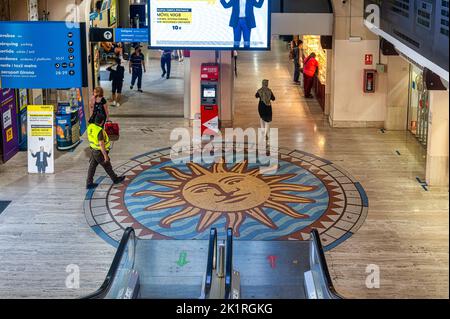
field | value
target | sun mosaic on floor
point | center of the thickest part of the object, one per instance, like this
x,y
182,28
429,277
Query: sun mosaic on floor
x,y
162,199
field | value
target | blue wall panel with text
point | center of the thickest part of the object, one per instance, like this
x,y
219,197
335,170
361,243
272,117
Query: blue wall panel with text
x,y
40,55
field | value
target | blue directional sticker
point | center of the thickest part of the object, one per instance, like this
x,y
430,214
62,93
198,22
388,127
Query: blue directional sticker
x,y
42,55
132,35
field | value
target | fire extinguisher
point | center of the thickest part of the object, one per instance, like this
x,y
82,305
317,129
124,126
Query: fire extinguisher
x,y
369,81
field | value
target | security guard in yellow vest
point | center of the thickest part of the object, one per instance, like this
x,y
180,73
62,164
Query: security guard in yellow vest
x,y
100,147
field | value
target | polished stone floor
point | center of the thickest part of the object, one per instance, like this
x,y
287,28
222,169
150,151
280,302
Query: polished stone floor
x,y
44,228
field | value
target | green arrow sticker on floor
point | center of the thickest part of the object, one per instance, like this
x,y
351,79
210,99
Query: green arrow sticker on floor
x,y
182,261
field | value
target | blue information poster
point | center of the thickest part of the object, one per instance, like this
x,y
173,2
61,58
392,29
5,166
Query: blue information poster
x,y
40,55
131,35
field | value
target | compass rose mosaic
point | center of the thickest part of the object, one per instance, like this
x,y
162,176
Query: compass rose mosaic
x,y
161,199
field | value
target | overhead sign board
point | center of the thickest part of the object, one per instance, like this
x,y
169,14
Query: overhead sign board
x,y
210,24
41,55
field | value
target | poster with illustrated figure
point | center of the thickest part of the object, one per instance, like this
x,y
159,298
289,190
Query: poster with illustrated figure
x,y
40,139
210,24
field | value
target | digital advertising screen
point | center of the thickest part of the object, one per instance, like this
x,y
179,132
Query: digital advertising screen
x,y
210,24
40,55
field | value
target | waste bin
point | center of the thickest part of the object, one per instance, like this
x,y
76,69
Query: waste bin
x,y
67,130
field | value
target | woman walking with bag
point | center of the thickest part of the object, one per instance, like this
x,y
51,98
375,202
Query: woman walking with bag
x,y
98,105
265,96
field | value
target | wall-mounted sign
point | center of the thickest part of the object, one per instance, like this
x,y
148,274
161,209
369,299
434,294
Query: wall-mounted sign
x,y
132,35
40,55
101,35
8,124
368,59
40,139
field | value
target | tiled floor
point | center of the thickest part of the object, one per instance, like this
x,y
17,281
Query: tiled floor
x,y
44,229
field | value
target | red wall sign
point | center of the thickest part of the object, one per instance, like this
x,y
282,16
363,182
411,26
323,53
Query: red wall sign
x,y
368,59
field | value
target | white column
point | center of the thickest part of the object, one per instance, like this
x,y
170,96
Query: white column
x,y
397,94
226,89
187,88
438,139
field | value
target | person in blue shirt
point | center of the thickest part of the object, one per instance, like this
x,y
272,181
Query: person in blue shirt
x,y
137,65
242,19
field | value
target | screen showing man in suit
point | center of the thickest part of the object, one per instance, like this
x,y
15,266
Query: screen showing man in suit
x,y
242,19
41,159
210,24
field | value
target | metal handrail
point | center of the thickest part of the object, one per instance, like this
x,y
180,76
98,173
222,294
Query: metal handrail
x,y
323,265
211,265
107,283
229,264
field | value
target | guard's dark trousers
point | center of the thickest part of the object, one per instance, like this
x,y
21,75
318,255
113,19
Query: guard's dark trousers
x,y
97,159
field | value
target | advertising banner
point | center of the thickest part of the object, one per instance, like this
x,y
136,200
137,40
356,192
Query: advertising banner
x,y
81,112
67,131
210,24
8,124
22,100
30,58
40,139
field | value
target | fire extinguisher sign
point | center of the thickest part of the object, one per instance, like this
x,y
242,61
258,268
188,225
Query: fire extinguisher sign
x,y
368,59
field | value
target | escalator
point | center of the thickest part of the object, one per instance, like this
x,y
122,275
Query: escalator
x,y
217,269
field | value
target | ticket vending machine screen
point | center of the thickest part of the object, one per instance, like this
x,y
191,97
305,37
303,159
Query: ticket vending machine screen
x,y
209,92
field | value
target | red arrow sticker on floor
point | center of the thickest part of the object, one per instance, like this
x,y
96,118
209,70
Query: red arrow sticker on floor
x,y
273,261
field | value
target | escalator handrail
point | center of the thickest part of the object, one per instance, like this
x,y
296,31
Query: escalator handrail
x,y
212,259
107,283
323,264
229,264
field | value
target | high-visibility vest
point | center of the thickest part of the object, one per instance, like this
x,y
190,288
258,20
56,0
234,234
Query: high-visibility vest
x,y
93,131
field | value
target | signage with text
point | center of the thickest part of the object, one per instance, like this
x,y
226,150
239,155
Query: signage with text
x,y
40,139
40,55
210,24
131,35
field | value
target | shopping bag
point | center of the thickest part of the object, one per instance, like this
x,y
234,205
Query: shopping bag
x,y
113,130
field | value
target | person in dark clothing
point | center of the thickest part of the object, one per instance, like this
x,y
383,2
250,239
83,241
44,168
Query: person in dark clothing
x,y
265,96
298,60
98,105
137,68
100,146
117,76
166,63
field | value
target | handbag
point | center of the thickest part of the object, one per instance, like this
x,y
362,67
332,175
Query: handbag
x,y
113,130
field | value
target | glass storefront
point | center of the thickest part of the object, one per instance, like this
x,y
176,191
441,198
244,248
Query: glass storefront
x,y
419,106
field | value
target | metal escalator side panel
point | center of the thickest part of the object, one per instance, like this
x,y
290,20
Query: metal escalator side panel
x,y
319,269
122,267
212,259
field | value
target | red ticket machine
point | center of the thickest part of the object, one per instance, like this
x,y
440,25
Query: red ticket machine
x,y
210,75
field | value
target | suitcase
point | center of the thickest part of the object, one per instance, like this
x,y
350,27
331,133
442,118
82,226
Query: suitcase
x,y
113,130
